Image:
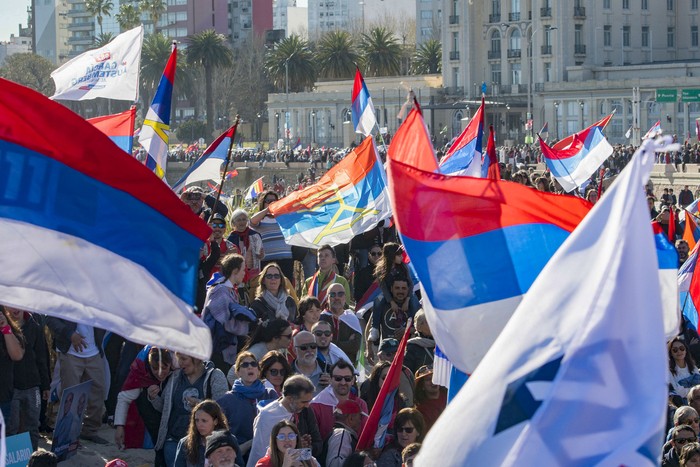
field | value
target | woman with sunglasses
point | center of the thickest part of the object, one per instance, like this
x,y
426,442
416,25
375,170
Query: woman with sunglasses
x,y
390,266
240,403
285,448
273,299
365,276
275,369
684,373
409,428
273,334
276,249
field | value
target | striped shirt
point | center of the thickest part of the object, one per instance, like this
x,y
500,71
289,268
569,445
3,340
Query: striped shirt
x,y
273,240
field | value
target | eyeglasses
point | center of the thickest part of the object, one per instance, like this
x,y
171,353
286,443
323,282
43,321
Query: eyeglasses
x,y
193,197
323,333
691,421
678,349
405,429
375,253
276,372
682,441
288,437
254,364
218,225
273,276
347,379
306,347
336,294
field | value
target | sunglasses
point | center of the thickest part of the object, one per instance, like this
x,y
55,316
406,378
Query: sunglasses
x,y
270,200
375,253
347,379
405,429
306,347
677,349
273,276
336,294
249,364
683,441
288,437
323,333
218,225
276,372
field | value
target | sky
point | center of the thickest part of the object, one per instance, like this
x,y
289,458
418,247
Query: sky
x,y
14,12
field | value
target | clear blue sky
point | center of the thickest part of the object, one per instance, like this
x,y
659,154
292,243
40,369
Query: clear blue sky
x,y
14,12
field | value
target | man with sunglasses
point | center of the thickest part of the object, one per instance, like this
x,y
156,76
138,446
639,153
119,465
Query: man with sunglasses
x,y
327,350
680,436
347,331
307,362
342,381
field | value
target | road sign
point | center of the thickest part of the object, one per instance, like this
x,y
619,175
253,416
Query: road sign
x,y
690,95
666,95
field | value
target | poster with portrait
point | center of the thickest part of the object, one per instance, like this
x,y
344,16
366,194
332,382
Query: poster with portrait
x,y
69,420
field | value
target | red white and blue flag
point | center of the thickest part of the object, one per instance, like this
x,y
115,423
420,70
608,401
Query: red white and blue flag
x,y
464,157
689,289
544,132
119,127
565,143
363,116
90,235
574,166
653,131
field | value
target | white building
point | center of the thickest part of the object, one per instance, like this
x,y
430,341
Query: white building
x,y
16,45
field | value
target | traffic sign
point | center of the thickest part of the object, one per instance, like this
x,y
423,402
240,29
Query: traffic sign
x,y
666,95
690,95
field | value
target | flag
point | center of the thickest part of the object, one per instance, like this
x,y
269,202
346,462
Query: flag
x,y
628,133
367,300
464,157
111,71
374,432
691,233
363,116
672,224
411,144
119,127
544,132
297,145
88,234
497,234
697,128
154,132
349,199
493,170
653,131
209,164
693,208
667,257
565,143
578,376
231,173
689,289
574,165
255,189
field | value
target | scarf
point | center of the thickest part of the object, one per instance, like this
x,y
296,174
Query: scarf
x,y
244,236
278,303
320,291
254,391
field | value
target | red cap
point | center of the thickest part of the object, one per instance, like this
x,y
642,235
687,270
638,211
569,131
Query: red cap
x,y
348,407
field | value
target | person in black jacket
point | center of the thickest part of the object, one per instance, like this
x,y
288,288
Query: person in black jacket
x,y
31,376
11,350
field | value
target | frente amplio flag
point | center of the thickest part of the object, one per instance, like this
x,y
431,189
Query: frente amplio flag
x,y
89,234
111,71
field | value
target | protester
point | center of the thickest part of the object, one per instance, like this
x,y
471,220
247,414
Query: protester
x,y
347,331
323,405
409,453
431,399
276,249
275,370
307,362
420,349
410,428
369,391
680,437
273,334
359,459
272,300
391,312
43,458
309,313
328,352
365,276
221,449
318,284
690,455
249,242
684,373
346,431
389,267
205,419
285,448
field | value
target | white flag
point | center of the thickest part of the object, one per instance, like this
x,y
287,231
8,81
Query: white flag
x,y
111,71
628,133
578,375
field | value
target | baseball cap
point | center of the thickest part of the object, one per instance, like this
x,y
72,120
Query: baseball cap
x,y
349,407
220,439
217,217
389,345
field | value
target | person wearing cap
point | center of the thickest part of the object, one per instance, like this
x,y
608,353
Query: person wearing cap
x,y
194,198
221,449
431,399
348,425
210,256
342,381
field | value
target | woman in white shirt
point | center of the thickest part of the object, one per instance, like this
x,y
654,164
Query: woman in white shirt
x,y
684,373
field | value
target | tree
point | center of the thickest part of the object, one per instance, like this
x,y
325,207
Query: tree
x,y
128,17
336,56
428,58
381,53
295,52
104,39
154,55
154,9
99,9
191,130
30,70
208,49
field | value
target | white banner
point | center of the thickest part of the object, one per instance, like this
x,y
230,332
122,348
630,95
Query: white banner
x,y
111,71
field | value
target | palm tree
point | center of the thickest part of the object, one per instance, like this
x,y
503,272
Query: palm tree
x,y
209,49
428,58
381,53
104,39
99,9
128,17
291,56
336,55
154,8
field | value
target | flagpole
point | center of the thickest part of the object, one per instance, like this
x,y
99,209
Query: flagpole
x,y
226,163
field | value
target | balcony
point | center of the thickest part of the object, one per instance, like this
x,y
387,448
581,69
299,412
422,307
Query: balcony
x,y
539,87
579,49
579,12
494,54
494,18
545,12
514,16
454,19
454,55
514,53
546,50
454,91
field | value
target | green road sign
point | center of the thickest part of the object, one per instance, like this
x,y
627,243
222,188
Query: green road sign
x,y
666,95
690,95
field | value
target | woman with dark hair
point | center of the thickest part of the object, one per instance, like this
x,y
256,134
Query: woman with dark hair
x,y
273,334
274,370
358,459
11,351
430,398
684,373
309,313
206,418
285,448
272,299
365,276
410,428
276,249
369,390
389,267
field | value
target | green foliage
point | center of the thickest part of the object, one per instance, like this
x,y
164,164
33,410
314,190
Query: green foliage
x,y
428,58
302,66
381,53
336,55
30,70
191,130
128,17
154,9
104,39
99,9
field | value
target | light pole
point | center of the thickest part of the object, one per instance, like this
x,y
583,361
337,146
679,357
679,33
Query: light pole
x,y
277,128
287,133
313,127
556,120
530,76
581,104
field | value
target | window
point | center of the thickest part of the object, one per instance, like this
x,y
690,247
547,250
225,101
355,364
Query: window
x,y
547,72
515,40
625,4
670,37
454,7
426,14
515,6
693,4
645,36
495,7
606,4
578,34
496,73
455,77
455,41
669,5
548,36
495,41
694,36
515,73
607,36
625,36
645,4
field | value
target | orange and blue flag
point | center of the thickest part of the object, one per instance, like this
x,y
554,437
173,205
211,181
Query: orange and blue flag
x,y
363,116
465,156
349,199
119,127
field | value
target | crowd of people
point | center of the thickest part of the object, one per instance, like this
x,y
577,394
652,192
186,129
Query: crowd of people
x,y
285,383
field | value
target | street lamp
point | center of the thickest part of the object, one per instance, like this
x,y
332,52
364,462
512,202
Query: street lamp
x,y
581,104
530,76
277,128
259,135
287,132
313,127
556,120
